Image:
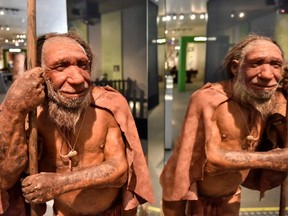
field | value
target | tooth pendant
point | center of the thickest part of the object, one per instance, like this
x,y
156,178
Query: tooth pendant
x,y
251,138
72,153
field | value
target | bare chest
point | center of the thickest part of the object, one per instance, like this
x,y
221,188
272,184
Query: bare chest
x,y
83,149
240,128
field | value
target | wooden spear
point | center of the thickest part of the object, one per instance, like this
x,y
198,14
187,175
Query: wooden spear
x,y
284,185
283,197
31,63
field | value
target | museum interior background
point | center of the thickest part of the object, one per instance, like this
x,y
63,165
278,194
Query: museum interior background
x,y
139,44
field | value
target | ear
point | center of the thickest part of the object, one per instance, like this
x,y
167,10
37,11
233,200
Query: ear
x,y
235,67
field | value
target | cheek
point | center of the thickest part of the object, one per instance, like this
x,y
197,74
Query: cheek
x,y
56,79
86,75
248,75
278,75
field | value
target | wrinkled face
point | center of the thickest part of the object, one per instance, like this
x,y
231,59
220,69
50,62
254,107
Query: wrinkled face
x,y
67,70
261,69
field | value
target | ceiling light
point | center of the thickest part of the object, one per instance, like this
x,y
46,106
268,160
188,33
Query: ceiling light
x,y
200,38
159,41
212,38
192,16
241,14
14,50
168,18
282,10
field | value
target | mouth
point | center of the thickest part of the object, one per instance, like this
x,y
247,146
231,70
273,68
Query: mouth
x,y
74,94
266,87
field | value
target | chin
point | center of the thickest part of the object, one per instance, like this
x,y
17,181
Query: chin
x,y
264,95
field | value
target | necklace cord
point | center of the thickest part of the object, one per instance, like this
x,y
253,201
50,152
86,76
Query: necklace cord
x,y
72,152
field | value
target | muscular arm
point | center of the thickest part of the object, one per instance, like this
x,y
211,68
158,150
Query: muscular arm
x,y
13,148
221,159
112,172
23,96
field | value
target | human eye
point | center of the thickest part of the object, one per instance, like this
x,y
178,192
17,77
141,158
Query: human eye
x,y
276,64
255,63
83,65
60,66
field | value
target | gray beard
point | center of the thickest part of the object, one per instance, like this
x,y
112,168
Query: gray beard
x,y
65,112
264,102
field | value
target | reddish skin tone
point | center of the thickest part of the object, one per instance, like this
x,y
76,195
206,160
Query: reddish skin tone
x,y
228,163
99,169
13,148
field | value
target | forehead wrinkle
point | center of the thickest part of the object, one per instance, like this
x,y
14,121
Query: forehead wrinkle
x,y
53,42
259,43
250,47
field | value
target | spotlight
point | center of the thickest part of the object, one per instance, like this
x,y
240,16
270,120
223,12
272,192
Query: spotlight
x,y
282,6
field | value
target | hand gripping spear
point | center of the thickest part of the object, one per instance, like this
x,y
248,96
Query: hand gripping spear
x,y
32,62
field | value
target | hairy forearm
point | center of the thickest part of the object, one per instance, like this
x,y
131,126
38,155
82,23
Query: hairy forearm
x,y
13,148
108,174
50,185
276,159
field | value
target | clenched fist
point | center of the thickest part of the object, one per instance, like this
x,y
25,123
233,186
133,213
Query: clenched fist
x,y
42,187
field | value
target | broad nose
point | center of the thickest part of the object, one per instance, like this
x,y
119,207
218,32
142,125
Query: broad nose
x,y
266,71
75,75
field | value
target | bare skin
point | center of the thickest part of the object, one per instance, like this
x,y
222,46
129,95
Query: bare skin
x,y
99,169
229,159
231,137
13,158
229,155
93,181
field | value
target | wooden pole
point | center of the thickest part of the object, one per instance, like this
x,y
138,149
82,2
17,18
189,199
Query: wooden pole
x,y
283,197
284,185
31,63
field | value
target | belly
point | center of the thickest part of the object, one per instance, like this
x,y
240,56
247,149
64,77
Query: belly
x,y
221,184
89,201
